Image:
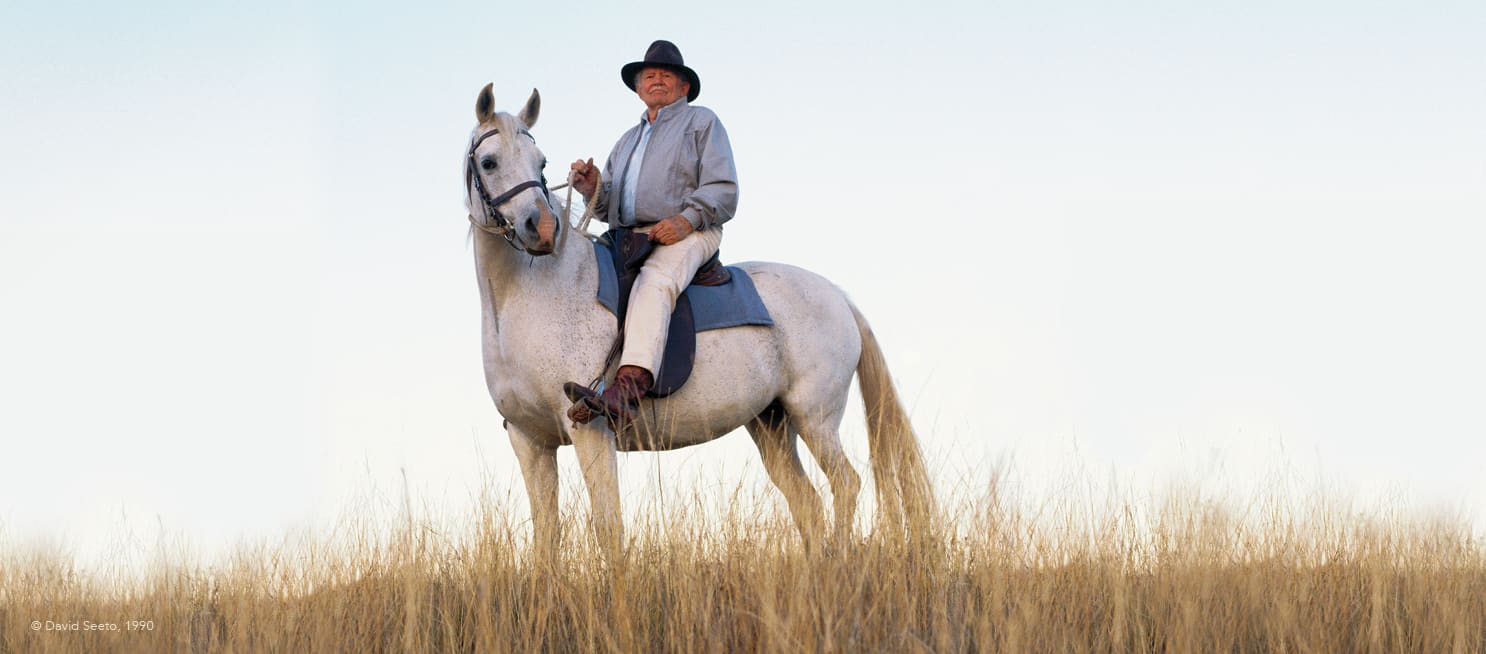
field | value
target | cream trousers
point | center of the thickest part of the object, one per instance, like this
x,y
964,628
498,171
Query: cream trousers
x,y
666,272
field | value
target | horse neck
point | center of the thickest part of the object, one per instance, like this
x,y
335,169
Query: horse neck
x,y
560,280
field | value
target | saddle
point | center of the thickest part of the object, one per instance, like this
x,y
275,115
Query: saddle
x,y
630,249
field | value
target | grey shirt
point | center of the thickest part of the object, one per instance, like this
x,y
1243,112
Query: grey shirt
x,y
687,169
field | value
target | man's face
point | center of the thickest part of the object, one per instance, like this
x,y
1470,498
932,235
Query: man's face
x,y
659,87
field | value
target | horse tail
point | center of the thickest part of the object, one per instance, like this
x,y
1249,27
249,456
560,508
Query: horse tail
x,y
904,493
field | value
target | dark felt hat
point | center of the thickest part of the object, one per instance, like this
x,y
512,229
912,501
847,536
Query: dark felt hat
x,y
663,54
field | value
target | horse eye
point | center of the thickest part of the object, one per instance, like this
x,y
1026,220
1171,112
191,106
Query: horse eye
x,y
487,163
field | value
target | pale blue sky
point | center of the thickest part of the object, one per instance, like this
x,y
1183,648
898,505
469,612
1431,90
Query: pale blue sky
x,y
1206,239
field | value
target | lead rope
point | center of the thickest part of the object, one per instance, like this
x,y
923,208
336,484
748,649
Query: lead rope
x,y
567,207
493,231
597,383
612,358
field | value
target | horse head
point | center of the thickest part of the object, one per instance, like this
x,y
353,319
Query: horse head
x,y
505,191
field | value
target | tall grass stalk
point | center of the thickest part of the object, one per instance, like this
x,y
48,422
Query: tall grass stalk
x,y
1179,575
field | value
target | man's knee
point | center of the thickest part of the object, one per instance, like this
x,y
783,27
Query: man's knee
x,y
661,281
663,273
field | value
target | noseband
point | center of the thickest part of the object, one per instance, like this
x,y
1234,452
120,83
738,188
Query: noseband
x,y
495,223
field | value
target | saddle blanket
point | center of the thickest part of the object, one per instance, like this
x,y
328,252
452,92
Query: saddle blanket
x,y
732,304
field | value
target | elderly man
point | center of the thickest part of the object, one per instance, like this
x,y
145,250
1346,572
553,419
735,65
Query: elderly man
x,y
672,177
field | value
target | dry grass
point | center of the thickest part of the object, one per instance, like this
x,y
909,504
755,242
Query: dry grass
x,y
1183,575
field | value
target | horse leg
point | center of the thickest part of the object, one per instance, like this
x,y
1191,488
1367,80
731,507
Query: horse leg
x,y
539,470
598,459
777,446
819,430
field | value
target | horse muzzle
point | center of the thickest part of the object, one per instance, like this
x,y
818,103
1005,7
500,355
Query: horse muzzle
x,y
546,232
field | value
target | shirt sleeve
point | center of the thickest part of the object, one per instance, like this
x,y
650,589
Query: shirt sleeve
x,y
716,197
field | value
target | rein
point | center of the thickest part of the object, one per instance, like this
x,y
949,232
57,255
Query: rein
x,y
567,208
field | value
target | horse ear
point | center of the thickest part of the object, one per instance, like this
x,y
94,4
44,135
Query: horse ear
x,y
532,108
485,106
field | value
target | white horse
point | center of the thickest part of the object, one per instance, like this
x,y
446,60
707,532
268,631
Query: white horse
x,y
542,326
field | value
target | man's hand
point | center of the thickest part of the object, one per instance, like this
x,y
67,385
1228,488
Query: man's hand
x,y
585,177
671,230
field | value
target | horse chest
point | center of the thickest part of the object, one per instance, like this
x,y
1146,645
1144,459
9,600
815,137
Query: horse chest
x,y
525,406
525,377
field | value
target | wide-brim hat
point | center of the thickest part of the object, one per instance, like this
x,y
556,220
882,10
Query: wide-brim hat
x,y
663,54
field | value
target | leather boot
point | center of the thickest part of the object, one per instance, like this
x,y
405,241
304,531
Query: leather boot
x,y
577,393
619,402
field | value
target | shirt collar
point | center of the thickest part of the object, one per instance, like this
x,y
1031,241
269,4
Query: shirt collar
x,y
662,114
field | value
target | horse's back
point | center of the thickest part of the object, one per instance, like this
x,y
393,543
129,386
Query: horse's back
x,y
815,328
800,296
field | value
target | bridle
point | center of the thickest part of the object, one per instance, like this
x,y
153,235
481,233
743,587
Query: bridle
x,y
494,222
